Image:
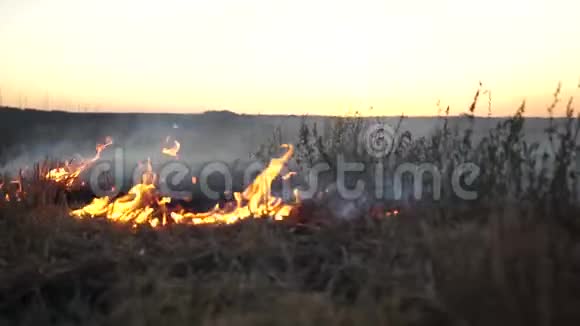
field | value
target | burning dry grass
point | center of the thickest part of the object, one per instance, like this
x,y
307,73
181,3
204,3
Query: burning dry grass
x,y
58,270
69,173
144,205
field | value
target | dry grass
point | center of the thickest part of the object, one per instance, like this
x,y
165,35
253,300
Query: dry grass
x,y
403,271
511,257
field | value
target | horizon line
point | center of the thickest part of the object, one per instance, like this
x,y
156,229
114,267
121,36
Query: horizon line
x,y
461,115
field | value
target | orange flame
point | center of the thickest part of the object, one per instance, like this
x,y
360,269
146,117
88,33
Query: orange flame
x,y
140,205
143,204
70,172
172,151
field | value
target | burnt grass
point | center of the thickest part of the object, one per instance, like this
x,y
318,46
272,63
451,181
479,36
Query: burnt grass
x,y
516,268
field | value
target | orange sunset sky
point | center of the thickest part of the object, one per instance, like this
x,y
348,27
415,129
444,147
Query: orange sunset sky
x,y
287,57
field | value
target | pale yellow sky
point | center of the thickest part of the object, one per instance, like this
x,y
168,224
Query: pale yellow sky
x,y
299,56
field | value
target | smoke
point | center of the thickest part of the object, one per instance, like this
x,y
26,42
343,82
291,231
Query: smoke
x,y
32,136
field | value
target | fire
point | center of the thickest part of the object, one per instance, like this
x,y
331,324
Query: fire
x,y
148,177
140,205
69,173
12,193
143,204
172,151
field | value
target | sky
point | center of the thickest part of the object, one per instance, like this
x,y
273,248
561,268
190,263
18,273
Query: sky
x,y
287,57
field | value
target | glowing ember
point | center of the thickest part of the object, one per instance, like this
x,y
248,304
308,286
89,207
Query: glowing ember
x,y
69,173
143,204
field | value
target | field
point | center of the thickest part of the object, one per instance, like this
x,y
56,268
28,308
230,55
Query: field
x,y
511,256
57,270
